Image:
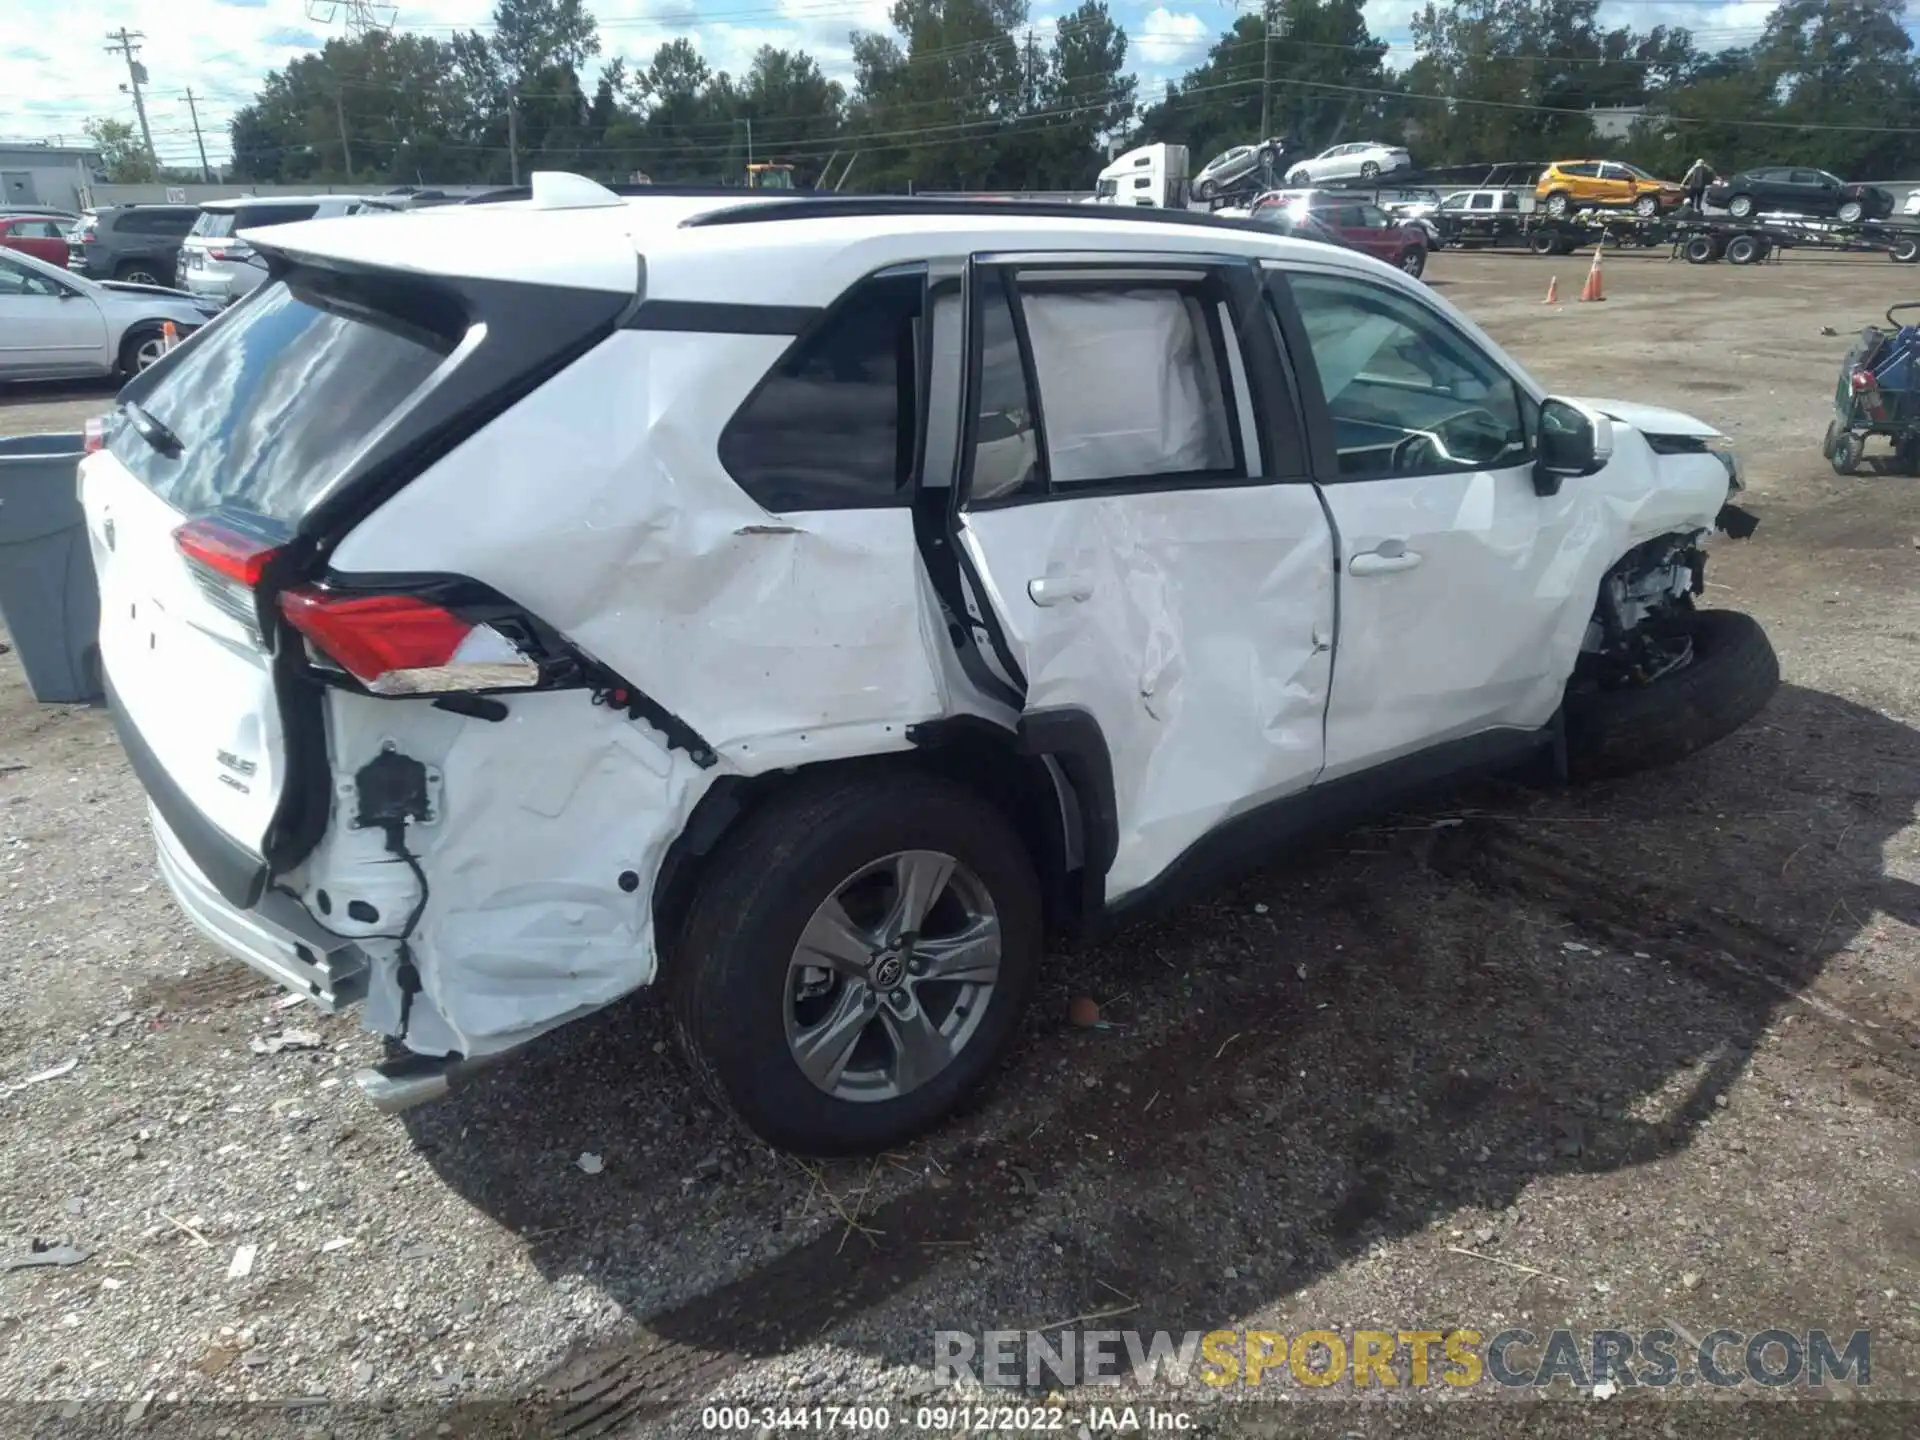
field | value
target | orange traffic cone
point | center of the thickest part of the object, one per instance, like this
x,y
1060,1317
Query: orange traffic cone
x,y
169,337
1592,289
1553,291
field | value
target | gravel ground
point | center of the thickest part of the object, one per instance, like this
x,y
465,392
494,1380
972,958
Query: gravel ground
x,y
1639,1056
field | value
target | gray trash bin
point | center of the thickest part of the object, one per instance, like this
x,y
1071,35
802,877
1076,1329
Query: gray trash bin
x,y
48,595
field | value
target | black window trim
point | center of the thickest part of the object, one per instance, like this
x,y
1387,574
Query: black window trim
x,y
1216,283
1325,449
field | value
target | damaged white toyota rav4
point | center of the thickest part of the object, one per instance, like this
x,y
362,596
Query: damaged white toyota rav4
x,y
810,604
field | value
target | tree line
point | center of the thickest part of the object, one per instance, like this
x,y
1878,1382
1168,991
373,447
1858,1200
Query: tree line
x,y
969,94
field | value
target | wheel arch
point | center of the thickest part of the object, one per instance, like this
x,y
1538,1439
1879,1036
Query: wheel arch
x,y
1052,778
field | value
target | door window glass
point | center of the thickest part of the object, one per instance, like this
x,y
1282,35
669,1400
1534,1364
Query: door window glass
x,y
1409,394
1006,456
1132,384
19,280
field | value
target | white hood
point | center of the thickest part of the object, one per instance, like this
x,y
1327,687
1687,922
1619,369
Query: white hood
x,y
1649,419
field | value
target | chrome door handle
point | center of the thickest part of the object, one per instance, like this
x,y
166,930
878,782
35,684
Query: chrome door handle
x,y
1059,589
1373,562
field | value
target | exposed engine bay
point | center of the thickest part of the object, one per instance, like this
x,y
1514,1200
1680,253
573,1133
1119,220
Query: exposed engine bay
x,y
1639,630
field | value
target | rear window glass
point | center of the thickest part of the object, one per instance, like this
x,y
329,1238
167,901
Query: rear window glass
x,y
272,402
218,224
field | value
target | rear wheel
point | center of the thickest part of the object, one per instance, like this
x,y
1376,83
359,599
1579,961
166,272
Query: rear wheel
x,y
1740,206
1647,206
137,272
1558,203
1728,678
1544,241
1905,251
856,960
1852,212
1205,190
1701,250
140,349
1299,178
1369,171
1745,250
1413,260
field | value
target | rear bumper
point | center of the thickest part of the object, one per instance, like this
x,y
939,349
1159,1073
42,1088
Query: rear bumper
x,y
277,937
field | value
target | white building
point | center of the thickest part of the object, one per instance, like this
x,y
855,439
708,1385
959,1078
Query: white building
x,y
43,173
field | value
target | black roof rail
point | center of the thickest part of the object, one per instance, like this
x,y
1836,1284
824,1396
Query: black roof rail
x,y
828,206
625,188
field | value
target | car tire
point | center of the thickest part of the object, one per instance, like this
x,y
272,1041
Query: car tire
x,y
1544,241
1413,260
736,980
1700,250
1745,250
1851,212
1299,178
141,347
1205,190
1732,675
137,272
1904,251
1370,171
1647,206
1558,203
1740,206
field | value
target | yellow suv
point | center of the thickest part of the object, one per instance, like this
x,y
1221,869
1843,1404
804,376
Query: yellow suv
x,y
1568,185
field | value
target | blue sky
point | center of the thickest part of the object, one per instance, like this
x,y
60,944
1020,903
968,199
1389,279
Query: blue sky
x,y
54,72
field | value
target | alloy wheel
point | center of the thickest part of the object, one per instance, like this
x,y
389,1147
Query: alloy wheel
x,y
892,976
148,351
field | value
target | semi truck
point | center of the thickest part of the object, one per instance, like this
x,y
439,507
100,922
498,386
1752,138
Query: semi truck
x,y
1153,175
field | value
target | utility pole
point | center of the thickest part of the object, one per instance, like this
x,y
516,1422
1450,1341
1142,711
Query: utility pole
x,y
340,114
206,170
1266,70
513,135
127,44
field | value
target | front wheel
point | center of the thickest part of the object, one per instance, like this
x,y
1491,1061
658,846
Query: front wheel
x,y
1647,206
1905,251
1370,171
1700,250
1205,190
1731,675
140,350
1300,179
1740,206
1413,260
1557,204
1844,450
856,960
1852,213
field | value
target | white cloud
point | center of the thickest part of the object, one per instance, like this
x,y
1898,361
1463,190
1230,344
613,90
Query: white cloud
x,y
1169,38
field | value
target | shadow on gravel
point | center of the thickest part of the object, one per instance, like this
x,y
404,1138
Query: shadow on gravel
x,y
1473,1016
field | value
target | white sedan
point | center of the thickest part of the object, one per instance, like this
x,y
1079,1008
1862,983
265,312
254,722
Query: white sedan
x,y
57,325
1364,160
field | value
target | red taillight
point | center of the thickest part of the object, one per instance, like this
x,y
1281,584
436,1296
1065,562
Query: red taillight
x,y
227,550
1864,380
96,433
403,645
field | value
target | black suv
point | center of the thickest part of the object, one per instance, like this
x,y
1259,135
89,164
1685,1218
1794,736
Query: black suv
x,y
136,243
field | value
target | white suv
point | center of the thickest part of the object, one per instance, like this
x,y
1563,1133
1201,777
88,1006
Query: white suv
x,y
812,603
217,262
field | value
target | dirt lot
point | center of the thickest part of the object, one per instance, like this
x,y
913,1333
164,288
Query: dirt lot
x,y
1642,1056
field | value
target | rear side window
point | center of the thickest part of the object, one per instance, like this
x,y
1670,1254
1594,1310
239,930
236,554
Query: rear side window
x,y
833,426
156,222
272,402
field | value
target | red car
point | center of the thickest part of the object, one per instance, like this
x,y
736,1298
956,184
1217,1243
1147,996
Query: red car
x,y
1358,225
35,235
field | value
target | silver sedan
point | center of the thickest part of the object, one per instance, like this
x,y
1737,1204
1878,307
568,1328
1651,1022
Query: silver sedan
x,y
57,325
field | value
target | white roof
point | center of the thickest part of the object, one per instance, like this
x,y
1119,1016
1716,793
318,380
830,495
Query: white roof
x,y
597,245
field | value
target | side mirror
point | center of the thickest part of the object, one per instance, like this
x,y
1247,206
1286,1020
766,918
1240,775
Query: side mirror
x,y
1574,441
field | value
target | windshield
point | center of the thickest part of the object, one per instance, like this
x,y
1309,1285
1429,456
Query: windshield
x,y
271,403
